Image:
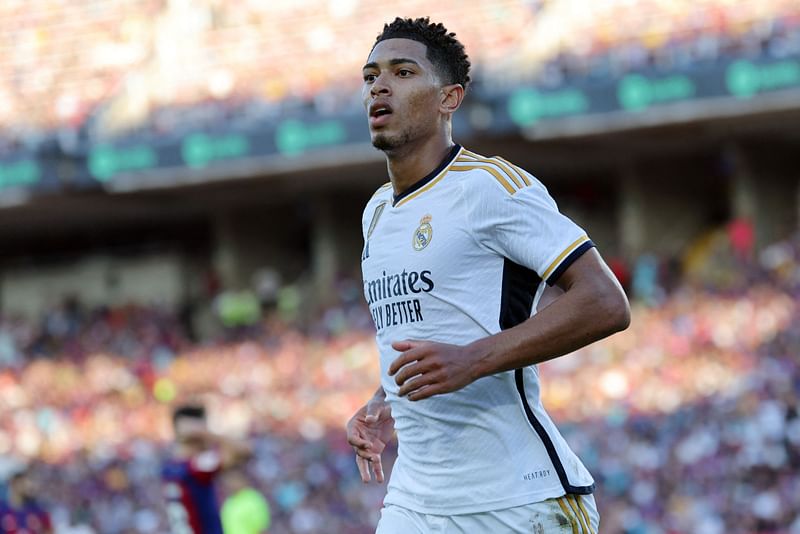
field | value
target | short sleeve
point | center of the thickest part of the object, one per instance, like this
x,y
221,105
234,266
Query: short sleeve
x,y
525,227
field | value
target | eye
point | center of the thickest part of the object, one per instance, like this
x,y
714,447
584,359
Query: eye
x,y
369,78
403,73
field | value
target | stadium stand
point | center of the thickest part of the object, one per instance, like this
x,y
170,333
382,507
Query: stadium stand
x,y
601,39
177,66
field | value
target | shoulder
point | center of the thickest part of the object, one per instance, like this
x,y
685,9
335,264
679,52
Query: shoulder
x,y
381,197
494,176
381,194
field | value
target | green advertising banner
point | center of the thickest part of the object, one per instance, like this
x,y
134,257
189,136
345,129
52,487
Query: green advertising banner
x,y
642,91
20,173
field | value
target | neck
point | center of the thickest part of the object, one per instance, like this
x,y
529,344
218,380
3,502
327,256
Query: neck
x,y
16,500
412,162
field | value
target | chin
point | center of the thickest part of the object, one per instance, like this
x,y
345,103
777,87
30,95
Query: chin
x,y
381,142
387,144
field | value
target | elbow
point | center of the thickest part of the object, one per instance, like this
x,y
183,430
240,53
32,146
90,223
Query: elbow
x,y
619,311
615,310
623,314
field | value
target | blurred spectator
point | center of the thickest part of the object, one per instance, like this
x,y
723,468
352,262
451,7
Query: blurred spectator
x,y
742,236
621,271
173,67
645,279
21,512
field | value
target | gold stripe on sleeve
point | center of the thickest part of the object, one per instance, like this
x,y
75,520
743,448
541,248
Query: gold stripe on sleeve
x,y
495,162
508,187
578,242
521,172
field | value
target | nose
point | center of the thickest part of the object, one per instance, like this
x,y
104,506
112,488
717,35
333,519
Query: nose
x,y
380,86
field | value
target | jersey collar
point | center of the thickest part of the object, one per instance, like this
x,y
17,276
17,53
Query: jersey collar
x,y
419,184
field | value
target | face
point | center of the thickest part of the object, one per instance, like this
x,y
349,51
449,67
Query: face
x,y
401,94
190,431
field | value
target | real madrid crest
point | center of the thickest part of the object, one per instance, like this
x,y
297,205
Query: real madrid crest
x,y
423,234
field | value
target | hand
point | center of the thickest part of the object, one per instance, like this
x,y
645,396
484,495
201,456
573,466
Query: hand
x,y
425,368
368,431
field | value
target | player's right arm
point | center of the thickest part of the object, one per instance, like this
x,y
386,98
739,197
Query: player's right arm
x,y
221,453
235,452
368,431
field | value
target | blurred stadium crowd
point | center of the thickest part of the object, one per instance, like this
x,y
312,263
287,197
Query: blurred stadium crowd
x,y
690,420
174,66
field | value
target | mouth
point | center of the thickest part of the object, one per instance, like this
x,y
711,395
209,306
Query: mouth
x,y
379,114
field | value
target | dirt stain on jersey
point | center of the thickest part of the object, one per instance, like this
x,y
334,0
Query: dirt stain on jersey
x,y
562,520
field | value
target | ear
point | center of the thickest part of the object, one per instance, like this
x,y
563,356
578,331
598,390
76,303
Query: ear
x,y
451,98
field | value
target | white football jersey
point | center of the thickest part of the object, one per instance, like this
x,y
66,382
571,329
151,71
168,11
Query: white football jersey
x,y
462,255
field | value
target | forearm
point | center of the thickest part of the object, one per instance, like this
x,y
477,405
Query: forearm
x,y
584,314
380,394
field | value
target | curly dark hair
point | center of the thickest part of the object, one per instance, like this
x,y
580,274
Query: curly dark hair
x,y
445,52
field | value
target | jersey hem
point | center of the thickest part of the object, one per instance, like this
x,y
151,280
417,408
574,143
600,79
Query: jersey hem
x,y
400,499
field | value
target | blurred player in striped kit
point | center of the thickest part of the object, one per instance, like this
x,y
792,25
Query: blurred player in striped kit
x,y
20,513
190,475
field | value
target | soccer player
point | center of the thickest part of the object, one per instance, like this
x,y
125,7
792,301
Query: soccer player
x,y
21,513
458,249
190,474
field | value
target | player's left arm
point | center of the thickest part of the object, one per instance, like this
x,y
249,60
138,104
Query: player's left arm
x,y
592,307
233,452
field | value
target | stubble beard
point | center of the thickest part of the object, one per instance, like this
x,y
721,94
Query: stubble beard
x,y
388,143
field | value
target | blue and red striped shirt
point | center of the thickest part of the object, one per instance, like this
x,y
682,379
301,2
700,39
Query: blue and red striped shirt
x,y
191,494
29,519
